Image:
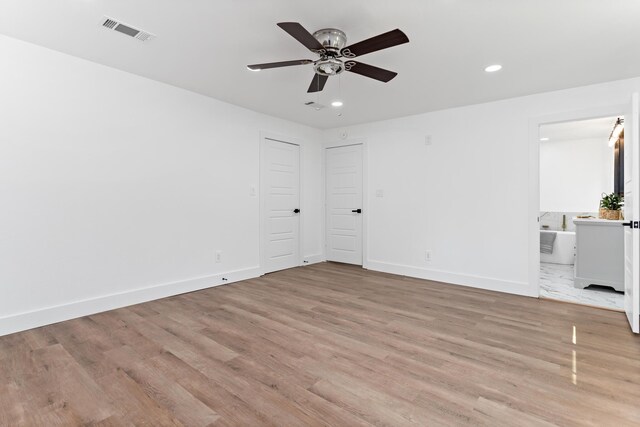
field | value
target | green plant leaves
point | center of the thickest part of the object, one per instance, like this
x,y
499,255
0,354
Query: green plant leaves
x,y
612,202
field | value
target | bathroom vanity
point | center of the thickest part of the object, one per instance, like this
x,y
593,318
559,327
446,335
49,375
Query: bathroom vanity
x,y
599,253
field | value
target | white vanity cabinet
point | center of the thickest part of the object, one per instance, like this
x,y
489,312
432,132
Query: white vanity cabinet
x,y
599,253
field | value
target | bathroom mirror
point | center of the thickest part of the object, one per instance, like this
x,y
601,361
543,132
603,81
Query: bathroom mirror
x,y
618,166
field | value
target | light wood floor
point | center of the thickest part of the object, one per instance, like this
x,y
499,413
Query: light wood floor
x,y
327,344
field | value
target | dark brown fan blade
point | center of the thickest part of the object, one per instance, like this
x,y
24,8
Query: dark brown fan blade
x,y
299,33
256,67
383,41
317,84
370,71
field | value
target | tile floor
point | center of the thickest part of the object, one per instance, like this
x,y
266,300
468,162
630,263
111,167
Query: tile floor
x,y
556,282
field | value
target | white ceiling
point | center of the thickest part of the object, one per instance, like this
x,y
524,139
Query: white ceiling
x,y
204,46
583,129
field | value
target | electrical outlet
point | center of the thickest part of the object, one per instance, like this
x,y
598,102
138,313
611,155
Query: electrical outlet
x,y
252,191
428,256
427,140
379,193
218,256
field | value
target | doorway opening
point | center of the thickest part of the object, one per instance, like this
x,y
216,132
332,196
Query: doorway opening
x,y
581,184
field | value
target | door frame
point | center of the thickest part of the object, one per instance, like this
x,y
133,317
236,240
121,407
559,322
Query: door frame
x,y
365,193
534,177
262,196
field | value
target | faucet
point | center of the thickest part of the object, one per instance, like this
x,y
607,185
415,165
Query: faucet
x,y
540,220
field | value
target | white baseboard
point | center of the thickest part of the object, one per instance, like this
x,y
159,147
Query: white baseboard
x,y
46,316
313,259
488,283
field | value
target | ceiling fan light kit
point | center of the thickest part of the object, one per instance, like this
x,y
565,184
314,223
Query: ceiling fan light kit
x,y
335,57
328,67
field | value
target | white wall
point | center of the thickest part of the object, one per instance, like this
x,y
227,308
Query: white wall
x,y
574,174
465,197
117,189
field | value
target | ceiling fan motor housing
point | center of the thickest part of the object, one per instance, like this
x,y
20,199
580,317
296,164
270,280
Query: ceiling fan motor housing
x,y
332,40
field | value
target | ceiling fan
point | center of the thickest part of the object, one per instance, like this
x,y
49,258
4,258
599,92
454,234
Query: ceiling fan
x,y
329,44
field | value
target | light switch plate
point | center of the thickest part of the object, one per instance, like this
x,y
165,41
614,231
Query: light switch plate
x,y
379,193
427,140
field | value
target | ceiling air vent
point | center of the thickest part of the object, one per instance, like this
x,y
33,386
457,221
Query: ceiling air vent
x,y
130,31
314,105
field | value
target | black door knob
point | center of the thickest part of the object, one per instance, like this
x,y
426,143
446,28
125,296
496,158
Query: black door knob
x,y
357,210
296,210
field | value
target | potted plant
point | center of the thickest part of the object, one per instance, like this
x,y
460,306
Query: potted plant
x,y
611,206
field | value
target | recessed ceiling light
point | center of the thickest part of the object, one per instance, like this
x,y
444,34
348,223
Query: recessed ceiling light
x,y
253,69
336,103
493,68
544,139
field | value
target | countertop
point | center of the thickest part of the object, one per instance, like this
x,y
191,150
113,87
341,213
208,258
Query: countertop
x,y
598,221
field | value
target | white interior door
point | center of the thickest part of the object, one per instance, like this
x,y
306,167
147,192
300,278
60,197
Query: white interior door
x,y
281,193
344,204
631,213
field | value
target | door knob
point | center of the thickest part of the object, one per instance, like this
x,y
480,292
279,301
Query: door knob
x,y
296,210
357,210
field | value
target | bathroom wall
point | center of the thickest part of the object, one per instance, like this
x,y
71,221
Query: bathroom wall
x,y
574,174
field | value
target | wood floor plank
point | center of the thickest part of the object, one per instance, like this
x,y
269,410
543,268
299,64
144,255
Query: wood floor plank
x,y
286,385
182,404
228,405
63,387
327,344
11,407
133,404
